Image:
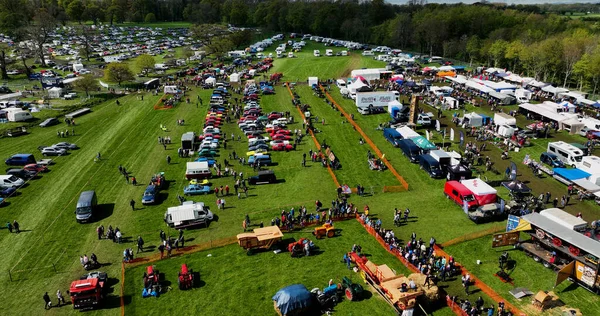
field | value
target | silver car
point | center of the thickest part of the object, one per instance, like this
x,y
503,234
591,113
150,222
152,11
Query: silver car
x,y
65,146
53,151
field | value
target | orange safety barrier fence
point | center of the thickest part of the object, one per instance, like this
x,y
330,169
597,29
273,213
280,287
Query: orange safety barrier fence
x,y
492,230
368,140
335,180
481,285
158,106
439,252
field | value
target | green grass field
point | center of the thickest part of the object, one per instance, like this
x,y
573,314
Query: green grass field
x,y
45,256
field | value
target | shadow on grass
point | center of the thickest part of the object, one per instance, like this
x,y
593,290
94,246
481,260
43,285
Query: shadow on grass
x,y
103,212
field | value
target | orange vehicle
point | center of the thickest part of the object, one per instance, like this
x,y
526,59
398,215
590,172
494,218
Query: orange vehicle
x,y
260,238
325,230
86,294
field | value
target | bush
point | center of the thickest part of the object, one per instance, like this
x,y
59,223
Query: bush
x,y
150,18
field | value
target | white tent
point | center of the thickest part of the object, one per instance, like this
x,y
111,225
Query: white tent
x,y
211,81
356,85
446,68
554,90
394,104
537,84
55,93
474,119
313,81
234,77
459,79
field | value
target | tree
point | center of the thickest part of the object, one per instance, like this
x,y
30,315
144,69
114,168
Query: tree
x,y
187,52
240,39
573,47
39,32
145,63
219,46
93,12
204,33
498,51
118,72
512,53
86,83
75,10
86,34
150,18
13,16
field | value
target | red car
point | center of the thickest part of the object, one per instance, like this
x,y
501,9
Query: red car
x,y
274,116
280,136
592,134
283,131
273,130
35,167
214,136
282,147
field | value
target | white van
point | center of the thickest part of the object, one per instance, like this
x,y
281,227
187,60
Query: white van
x,y
368,53
317,53
10,181
344,53
328,52
340,83
280,54
197,170
567,153
187,215
435,59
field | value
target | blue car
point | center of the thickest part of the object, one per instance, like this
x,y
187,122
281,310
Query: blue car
x,y
7,192
211,162
149,196
196,189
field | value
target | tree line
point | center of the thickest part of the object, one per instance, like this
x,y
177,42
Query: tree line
x,y
531,40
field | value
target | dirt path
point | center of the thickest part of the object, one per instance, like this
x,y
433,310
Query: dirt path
x,y
354,64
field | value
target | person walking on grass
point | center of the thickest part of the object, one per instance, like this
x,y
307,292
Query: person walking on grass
x,y
140,244
60,297
168,159
47,301
16,227
9,226
132,204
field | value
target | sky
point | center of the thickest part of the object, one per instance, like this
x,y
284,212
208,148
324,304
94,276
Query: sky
x,y
504,1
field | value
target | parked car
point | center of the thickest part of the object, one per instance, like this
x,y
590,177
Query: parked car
x,y
49,122
280,137
282,147
592,134
10,181
65,146
53,151
551,160
196,189
35,167
277,142
21,173
149,196
259,147
7,191
263,177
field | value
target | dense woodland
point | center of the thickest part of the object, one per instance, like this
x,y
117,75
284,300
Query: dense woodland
x,y
539,41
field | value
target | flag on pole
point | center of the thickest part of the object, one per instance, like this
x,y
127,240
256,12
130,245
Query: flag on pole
x,y
427,134
452,134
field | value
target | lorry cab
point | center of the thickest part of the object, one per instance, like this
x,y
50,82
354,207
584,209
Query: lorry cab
x,y
551,160
431,166
458,193
392,136
85,206
409,149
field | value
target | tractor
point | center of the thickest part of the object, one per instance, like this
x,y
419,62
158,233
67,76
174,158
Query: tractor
x,y
353,291
186,278
151,277
296,248
325,230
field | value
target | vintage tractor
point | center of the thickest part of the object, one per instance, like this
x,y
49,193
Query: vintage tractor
x,y
325,230
186,278
353,291
296,248
151,277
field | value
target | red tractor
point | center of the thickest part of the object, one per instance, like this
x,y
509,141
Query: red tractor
x,y
151,277
186,278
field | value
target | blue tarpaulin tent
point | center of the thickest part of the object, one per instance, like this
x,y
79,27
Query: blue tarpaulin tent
x,y
293,297
570,174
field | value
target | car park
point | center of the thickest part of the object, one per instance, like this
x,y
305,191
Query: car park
x,y
259,147
196,189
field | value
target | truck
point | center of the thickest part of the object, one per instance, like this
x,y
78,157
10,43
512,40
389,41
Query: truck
x,y
562,242
378,99
18,115
86,293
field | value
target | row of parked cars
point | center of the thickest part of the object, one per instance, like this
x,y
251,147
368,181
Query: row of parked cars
x,y
22,167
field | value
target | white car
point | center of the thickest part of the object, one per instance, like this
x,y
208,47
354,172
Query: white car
x,y
209,145
212,130
53,151
256,140
279,121
251,106
279,141
10,181
65,145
